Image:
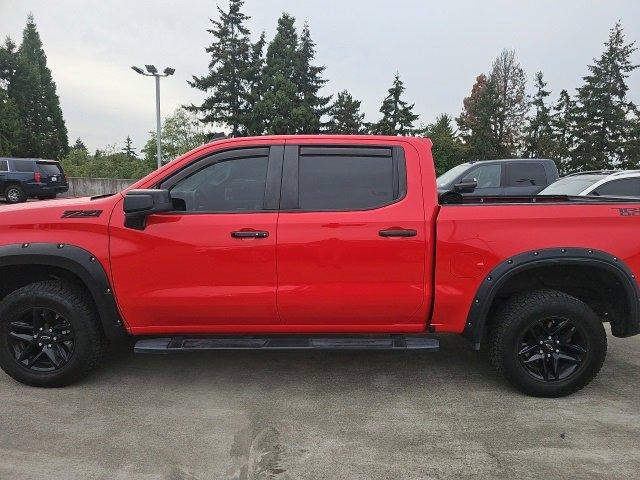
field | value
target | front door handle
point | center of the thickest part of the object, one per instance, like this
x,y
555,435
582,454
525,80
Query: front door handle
x,y
397,232
250,234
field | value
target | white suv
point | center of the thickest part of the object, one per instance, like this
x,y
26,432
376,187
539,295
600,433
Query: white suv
x,y
606,183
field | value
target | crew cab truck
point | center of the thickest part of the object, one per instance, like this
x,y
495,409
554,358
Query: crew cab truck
x,y
304,242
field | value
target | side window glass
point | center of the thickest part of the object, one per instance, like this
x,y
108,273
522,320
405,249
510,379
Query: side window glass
x,y
4,166
23,166
626,187
227,186
487,176
525,174
345,182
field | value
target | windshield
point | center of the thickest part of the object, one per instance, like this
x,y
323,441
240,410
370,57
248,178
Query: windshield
x,y
450,175
571,185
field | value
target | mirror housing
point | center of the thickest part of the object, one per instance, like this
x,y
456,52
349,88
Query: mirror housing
x,y
139,204
466,185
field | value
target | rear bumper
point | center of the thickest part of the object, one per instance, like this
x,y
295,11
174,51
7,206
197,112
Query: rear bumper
x,y
34,189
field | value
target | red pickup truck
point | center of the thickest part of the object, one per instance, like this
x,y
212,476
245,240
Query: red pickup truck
x,y
317,242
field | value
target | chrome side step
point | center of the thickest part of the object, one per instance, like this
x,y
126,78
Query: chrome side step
x,y
365,342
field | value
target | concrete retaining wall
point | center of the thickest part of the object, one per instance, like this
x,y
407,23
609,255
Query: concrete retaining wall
x,y
88,187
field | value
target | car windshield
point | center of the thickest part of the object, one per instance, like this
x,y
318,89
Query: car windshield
x,y
571,185
450,175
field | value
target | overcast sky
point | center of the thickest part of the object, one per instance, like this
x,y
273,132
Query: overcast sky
x,y
439,47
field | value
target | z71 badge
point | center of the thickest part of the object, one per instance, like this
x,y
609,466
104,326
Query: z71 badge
x,y
629,211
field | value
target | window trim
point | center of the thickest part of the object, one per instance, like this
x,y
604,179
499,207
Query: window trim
x,y
271,199
290,197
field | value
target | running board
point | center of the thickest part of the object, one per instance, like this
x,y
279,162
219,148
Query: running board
x,y
191,344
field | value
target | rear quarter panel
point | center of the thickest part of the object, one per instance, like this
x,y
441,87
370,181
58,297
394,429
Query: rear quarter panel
x,y
473,239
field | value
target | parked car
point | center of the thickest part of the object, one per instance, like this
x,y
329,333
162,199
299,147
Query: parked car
x,y
23,178
316,242
624,183
509,177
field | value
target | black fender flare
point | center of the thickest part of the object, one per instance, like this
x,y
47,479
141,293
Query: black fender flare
x,y
82,264
503,272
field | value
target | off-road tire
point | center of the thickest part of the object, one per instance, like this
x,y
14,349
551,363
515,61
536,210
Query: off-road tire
x,y
74,304
523,310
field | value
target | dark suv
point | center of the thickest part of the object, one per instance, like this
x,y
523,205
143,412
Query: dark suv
x,y
510,177
22,178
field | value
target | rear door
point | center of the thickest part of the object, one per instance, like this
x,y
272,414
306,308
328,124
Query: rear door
x,y
50,173
351,238
524,178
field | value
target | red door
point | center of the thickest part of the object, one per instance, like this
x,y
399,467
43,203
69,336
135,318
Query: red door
x,y
209,266
351,239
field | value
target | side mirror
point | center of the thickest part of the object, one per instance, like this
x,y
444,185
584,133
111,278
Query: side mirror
x,y
466,185
139,204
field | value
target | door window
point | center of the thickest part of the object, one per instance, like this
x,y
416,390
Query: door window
x,y
487,176
236,185
4,166
525,174
625,187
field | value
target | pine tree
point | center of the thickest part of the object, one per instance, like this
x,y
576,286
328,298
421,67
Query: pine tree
x,y
253,121
397,114
563,128
280,105
128,149
538,141
10,125
477,122
33,90
603,112
313,106
447,150
230,65
79,145
345,115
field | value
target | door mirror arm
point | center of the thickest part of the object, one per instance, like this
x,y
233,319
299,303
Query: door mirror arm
x,y
139,204
466,185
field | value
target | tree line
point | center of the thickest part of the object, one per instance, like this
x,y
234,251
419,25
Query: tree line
x,y
253,87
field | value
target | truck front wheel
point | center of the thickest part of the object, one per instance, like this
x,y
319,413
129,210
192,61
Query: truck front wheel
x,y
49,334
547,343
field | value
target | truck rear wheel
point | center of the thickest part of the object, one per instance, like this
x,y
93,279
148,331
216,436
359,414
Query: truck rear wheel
x,y
49,334
15,194
547,343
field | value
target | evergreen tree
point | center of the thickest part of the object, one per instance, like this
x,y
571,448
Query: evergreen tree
x,y
253,121
227,82
79,145
280,105
603,112
10,125
632,148
509,80
128,149
397,114
345,115
31,87
477,122
538,142
563,128
448,150
310,81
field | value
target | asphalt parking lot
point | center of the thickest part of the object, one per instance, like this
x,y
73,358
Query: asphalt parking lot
x,y
320,415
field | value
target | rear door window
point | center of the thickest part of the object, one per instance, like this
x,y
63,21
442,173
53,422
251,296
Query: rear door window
x,y
4,166
23,166
625,187
347,178
525,174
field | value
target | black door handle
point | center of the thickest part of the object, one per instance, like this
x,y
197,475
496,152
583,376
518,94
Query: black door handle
x,y
250,234
397,232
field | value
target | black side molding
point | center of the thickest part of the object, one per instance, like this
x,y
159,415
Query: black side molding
x,y
81,263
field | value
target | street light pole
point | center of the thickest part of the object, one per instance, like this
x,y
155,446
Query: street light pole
x,y
153,72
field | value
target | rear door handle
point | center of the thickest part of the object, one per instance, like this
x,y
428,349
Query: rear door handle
x,y
250,234
397,232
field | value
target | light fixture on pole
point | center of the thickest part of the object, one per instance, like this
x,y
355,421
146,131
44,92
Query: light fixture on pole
x,y
153,72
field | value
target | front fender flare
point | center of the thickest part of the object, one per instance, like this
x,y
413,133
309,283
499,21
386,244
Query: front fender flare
x,y
82,264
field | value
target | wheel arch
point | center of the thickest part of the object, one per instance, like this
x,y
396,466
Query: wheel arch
x,y
586,273
74,260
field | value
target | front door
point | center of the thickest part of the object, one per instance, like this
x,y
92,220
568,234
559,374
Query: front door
x,y
210,265
351,239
